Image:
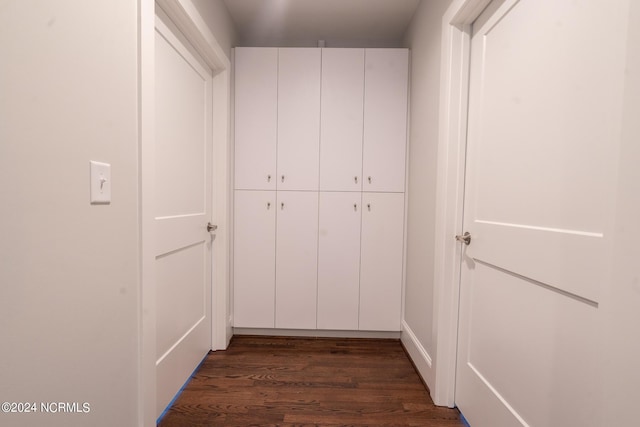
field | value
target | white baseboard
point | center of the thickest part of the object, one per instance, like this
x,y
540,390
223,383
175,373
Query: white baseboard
x,y
419,355
315,333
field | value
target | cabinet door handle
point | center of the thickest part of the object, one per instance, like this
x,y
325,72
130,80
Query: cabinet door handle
x,y
268,178
282,178
369,178
355,178
369,206
282,206
268,205
355,206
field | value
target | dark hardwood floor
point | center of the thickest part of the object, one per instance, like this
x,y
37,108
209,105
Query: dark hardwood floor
x,y
267,381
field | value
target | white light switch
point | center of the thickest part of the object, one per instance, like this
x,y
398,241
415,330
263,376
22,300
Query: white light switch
x,y
100,183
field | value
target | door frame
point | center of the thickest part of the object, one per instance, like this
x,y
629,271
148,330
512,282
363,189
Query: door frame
x,y
186,17
452,142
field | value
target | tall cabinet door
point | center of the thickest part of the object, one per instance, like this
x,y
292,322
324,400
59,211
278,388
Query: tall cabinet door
x,y
296,259
381,261
256,118
385,119
339,260
298,118
254,259
342,118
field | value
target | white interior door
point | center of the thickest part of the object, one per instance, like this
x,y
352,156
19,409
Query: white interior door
x,y
539,173
183,209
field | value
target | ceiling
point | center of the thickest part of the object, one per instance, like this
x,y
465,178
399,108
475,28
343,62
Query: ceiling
x,y
340,23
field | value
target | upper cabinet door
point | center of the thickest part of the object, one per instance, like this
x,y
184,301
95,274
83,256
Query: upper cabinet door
x,y
298,118
256,118
342,117
385,119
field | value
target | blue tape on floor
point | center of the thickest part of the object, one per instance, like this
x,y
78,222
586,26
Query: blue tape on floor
x,y
464,420
180,391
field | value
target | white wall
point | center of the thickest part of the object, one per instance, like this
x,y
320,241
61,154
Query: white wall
x,y
68,270
216,15
423,38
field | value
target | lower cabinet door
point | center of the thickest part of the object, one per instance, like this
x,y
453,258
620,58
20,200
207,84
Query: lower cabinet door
x,y
296,259
339,260
381,261
254,259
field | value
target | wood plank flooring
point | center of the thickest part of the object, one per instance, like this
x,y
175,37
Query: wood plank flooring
x,y
275,381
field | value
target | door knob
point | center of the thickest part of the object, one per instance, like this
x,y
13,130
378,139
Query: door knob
x,y
211,227
464,238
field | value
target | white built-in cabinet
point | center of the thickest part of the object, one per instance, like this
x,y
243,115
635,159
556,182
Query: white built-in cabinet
x,y
275,284
381,256
256,118
298,147
339,260
254,283
320,154
296,259
277,98
385,120
342,119
360,255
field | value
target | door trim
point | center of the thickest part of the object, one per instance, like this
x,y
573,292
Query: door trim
x,y
194,28
454,89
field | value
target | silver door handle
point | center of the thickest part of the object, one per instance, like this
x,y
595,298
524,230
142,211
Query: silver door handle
x,y
464,238
211,227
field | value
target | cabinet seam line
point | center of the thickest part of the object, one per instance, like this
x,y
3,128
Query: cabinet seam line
x,y
318,193
275,237
363,179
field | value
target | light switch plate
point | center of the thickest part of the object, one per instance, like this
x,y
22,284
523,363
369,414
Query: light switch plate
x,y
100,183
